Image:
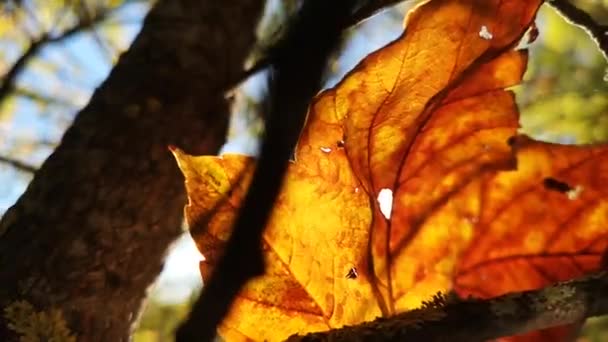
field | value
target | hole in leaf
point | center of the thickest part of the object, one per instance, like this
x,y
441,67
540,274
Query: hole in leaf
x,y
574,193
484,33
385,200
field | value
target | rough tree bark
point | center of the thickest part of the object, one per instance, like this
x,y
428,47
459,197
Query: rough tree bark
x,y
89,234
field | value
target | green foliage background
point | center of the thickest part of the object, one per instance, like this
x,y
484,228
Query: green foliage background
x,y
159,320
564,97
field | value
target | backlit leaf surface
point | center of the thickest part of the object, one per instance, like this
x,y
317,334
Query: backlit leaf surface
x,y
428,120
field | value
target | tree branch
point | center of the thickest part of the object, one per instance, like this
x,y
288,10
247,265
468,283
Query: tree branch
x,y
370,8
112,164
481,320
19,165
44,98
8,80
580,18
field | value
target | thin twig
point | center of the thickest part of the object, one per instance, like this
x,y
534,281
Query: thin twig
x,y
104,48
21,166
578,17
44,98
483,320
369,9
298,63
8,80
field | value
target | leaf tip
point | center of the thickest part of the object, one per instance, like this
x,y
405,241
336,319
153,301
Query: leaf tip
x,y
177,153
181,157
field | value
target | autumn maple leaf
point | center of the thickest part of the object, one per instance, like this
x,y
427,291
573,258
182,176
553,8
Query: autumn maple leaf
x,y
427,121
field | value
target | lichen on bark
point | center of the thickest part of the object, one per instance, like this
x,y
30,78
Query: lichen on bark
x,y
33,326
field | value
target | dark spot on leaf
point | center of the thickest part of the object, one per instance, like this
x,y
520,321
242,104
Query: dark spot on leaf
x,y
352,273
511,141
556,185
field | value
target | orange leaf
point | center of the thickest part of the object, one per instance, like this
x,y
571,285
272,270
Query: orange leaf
x,y
544,223
426,121
418,124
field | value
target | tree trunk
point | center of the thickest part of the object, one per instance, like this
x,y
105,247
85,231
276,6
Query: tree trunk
x,y
89,235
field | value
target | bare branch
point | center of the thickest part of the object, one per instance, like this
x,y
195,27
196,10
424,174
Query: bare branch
x,y
101,43
369,9
44,98
19,165
482,320
578,17
108,294
8,81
